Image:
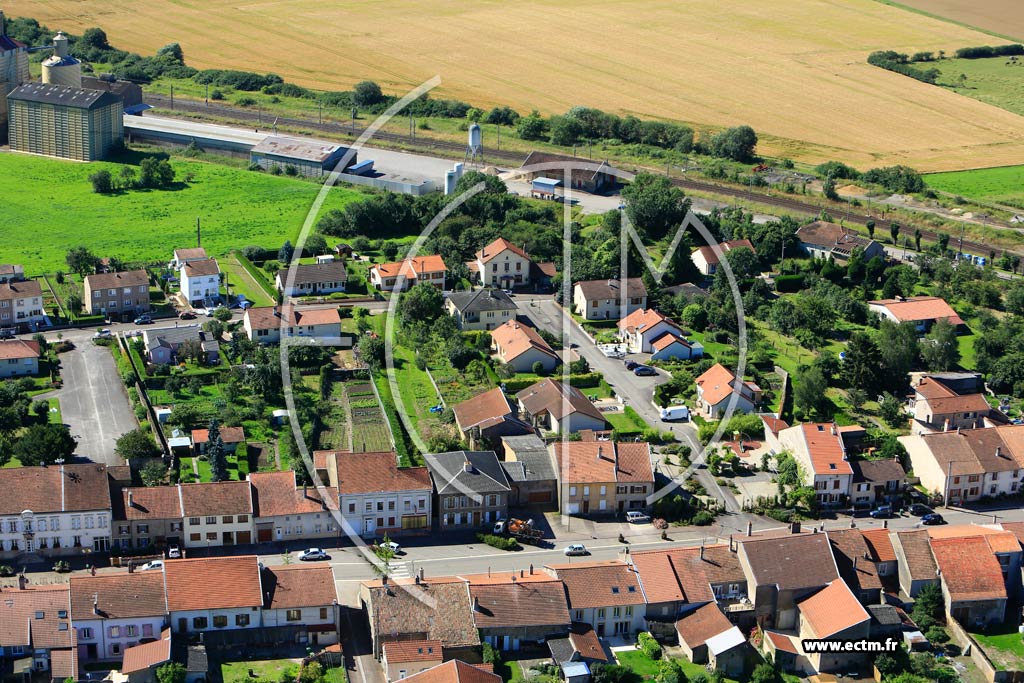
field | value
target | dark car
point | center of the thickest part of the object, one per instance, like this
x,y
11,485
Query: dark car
x,y
644,371
630,364
143,320
933,518
882,512
186,315
919,510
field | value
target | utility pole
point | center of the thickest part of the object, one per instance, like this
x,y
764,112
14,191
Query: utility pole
x,y
207,94
172,97
320,107
960,249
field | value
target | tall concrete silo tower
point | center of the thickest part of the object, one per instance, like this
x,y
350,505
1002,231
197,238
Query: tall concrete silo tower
x,y
475,148
13,71
61,68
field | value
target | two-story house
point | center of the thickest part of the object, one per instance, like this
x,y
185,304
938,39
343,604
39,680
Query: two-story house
x,y
35,625
376,496
951,401
183,256
118,296
608,299
521,346
21,306
718,387
819,449
487,417
19,358
648,331
11,272
200,282
312,278
706,258
268,324
399,276
161,344
833,613
856,564
147,515
286,512
214,593
512,611
112,612
55,510
480,309
876,481
501,264
825,240
470,488
217,514
603,477
606,595
554,406
302,595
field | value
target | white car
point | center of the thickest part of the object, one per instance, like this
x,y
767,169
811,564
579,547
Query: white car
x,y
155,564
390,545
103,334
174,552
311,554
637,517
576,549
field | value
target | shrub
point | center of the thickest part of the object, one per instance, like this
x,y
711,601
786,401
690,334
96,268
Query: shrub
x,y
6,570
985,51
216,94
648,645
703,518
246,101
499,542
789,283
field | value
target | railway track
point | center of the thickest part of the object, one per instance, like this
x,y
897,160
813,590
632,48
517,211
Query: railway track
x,y
456,151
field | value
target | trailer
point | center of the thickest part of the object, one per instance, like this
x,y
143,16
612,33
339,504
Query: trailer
x,y
522,531
362,168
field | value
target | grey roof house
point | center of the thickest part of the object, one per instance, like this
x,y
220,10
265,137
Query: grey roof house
x,y
470,488
530,470
480,309
162,343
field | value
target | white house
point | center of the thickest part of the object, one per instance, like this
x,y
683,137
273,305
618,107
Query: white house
x,y
922,311
21,305
376,496
286,512
501,264
717,387
707,260
19,358
56,510
671,346
521,346
558,407
217,514
608,299
302,595
200,282
480,309
313,278
820,450
606,595
645,330
399,276
112,612
214,594
267,324
183,256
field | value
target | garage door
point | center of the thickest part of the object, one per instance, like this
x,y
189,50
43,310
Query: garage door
x,y
540,497
244,537
264,535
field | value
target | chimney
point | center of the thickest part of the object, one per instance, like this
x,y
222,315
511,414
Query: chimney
x,y
999,451
131,499
794,528
421,573
732,546
96,603
750,528
833,429
600,451
476,604
467,467
855,563
702,551
383,579
521,574
417,579
945,425
885,524
531,569
304,488
277,311
853,524
22,581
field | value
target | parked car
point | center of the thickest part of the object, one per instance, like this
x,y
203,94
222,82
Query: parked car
x,y
644,371
390,545
508,292
103,334
313,554
675,413
637,517
882,512
576,549
933,518
144,319
631,364
919,510
155,564
186,315
174,552
7,333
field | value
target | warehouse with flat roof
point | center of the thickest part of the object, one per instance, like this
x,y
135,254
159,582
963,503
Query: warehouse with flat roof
x,y
64,121
312,158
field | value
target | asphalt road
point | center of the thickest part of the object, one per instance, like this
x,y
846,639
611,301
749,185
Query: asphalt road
x,y
93,401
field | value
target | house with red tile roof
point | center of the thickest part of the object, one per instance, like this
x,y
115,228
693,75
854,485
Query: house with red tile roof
x,y
922,311
951,401
718,386
608,299
377,497
214,593
883,554
18,358
302,595
511,613
833,613
822,239
404,658
972,580
682,579
231,436
113,612
856,565
914,560
603,477
217,513
285,511
706,636
35,623
487,417
457,671
141,660
521,346
707,259
501,264
819,449
146,515
648,331
606,595
267,324
399,276
556,406
200,281
581,645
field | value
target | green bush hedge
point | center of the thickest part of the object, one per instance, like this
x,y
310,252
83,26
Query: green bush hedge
x,y
499,542
648,645
587,381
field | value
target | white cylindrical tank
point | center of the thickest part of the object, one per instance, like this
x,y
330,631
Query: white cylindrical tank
x,y
451,179
474,136
61,68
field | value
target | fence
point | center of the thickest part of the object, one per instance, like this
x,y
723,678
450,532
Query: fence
x,y
971,649
140,387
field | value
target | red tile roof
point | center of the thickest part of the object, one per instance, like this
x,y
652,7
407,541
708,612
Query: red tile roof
x,y
705,622
999,540
832,610
412,268
969,569
941,399
791,562
514,338
643,319
270,317
496,247
454,671
401,651
853,558
19,617
26,289
446,614
130,278
67,488
717,383
378,473
202,267
18,349
712,258
147,655
774,424
600,584
294,586
919,308
509,605
880,544
490,405
216,498
595,462
825,449
151,502
190,253
782,642
558,399
226,582
917,554
122,595
227,435
585,641
275,495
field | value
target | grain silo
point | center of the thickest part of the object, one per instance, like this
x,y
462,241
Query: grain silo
x,y
61,68
13,71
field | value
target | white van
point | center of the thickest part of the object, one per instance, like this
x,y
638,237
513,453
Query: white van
x,y
637,517
675,413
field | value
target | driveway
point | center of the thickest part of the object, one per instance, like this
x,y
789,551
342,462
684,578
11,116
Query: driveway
x,y
93,401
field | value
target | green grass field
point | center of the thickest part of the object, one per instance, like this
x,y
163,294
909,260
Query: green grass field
x,y
53,199
993,81
1004,185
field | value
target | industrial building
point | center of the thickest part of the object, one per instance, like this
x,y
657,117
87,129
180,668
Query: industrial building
x,y
311,158
64,121
13,71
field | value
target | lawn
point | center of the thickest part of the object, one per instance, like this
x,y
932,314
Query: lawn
x,y
993,81
1004,647
243,283
55,414
238,468
1004,185
624,424
264,668
237,208
648,668
968,359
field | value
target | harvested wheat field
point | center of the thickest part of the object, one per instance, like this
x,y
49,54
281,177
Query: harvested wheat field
x,y
795,71
1001,17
